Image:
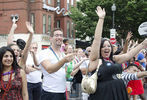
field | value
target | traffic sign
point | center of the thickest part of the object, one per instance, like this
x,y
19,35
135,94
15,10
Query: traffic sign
x,y
112,33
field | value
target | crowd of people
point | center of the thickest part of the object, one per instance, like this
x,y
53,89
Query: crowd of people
x,y
54,73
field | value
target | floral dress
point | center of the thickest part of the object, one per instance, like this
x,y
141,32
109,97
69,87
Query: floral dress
x,y
15,91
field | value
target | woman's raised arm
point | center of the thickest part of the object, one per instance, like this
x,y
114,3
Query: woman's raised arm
x,y
94,55
24,56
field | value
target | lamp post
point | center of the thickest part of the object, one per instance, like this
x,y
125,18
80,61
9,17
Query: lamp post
x,y
113,8
113,30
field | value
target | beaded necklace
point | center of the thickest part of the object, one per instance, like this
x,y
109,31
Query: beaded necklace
x,y
8,86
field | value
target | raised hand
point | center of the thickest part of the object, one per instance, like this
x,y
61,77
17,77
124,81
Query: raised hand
x,y
32,51
14,20
69,57
100,12
136,43
129,35
29,27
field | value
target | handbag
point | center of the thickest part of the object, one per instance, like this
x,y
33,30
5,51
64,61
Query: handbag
x,y
89,83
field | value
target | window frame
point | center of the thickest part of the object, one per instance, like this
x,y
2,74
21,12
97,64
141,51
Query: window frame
x,y
44,24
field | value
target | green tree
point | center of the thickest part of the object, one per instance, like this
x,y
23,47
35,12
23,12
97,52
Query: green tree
x,y
128,16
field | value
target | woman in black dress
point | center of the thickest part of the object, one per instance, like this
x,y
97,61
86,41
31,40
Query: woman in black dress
x,y
109,87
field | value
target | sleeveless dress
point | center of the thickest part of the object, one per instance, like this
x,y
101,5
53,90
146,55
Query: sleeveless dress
x,y
137,87
109,87
15,92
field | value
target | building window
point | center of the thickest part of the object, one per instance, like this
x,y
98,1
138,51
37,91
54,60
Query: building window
x,y
72,2
44,1
72,30
68,29
49,1
49,23
44,23
58,3
58,23
32,20
67,4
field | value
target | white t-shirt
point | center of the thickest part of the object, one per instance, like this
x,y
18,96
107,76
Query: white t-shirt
x,y
54,82
84,64
35,76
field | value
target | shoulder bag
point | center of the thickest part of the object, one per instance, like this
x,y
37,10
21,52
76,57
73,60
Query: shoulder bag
x,y
89,83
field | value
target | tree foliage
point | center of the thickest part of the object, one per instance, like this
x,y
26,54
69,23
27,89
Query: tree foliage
x,y
129,15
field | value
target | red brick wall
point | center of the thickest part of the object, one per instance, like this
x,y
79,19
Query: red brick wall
x,y
9,7
24,8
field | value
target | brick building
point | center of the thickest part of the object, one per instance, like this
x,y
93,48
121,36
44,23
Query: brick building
x,y
43,14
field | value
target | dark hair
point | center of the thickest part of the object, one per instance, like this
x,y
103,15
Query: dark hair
x,y
136,64
65,40
118,51
3,50
119,48
101,46
86,53
55,29
132,64
21,43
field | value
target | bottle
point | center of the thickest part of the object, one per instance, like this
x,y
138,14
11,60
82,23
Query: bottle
x,y
69,70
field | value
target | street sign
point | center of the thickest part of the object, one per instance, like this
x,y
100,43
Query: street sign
x,y
112,40
112,33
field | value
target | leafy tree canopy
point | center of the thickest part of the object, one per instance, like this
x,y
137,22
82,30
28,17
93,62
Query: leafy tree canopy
x,y
129,15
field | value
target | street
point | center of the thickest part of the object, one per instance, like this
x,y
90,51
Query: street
x,y
145,94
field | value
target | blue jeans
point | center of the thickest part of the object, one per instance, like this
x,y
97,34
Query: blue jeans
x,y
52,96
34,91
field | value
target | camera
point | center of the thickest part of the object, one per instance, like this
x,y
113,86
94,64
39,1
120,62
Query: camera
x,y
14,18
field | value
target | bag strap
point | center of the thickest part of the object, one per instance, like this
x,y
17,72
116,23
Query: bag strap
x,y
96,68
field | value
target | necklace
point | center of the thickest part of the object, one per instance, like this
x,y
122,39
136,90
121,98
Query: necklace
x,y
108,59
7,73
8,86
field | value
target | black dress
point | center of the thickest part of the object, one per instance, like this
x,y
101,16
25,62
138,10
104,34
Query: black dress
x,y
109,87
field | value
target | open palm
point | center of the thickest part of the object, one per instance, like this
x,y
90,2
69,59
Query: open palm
x,y
29,27
100,12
